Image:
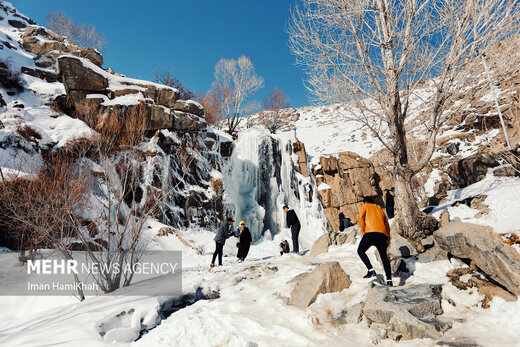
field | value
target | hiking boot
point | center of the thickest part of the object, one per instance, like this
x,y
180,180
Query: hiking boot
x,y
389,283
370,273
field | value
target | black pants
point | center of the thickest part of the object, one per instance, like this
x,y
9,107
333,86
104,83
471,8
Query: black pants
x,y
390,212
378,240
243,250
295,232
218,251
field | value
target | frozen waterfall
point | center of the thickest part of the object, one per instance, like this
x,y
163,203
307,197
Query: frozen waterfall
x,y
261,178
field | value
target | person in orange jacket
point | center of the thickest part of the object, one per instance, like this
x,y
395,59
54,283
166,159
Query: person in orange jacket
x,y
376,232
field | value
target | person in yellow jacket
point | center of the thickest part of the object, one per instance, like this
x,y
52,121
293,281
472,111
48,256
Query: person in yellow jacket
x,y
376,232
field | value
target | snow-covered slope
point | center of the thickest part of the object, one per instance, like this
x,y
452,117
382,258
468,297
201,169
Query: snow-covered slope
x,y
30,107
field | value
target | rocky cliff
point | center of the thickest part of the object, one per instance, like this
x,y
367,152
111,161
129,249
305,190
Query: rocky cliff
x,y
57,94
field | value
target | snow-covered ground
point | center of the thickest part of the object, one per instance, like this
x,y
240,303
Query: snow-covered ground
x,y
250,309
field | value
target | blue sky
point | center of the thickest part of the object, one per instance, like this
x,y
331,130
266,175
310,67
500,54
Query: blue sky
x,y
189,37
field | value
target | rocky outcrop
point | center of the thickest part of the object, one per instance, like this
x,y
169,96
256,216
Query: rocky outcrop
x,y
344,181
46,45
485,248
89,86
299,149
406,313
324,278
467,171
49,76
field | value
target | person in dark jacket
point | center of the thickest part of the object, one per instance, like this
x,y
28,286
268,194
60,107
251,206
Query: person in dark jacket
x,y
245,241
389,203
224,231
344,222
294,223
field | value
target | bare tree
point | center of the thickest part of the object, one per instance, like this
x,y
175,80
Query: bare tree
x,y
167,78
377,54
125,205
272,115
214,103
83,35
240,79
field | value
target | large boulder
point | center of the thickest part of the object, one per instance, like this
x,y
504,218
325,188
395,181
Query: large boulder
x,y
189,106
407,313
166,97
321,245
83,81
498,260
76,76
324,278
39,40
161,95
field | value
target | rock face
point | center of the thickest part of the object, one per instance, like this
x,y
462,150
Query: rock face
x,y
350,178
325,278
407,313
89,86
299,150
485,248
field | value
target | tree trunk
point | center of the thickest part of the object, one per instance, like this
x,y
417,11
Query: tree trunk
x,y
406,205
412,223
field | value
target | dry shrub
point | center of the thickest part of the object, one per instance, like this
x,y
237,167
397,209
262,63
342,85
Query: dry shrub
x,y
28,132
43,209
214,103
78,148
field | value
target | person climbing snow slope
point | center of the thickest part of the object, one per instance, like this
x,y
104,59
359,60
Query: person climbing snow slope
x,y
376,232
